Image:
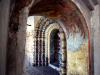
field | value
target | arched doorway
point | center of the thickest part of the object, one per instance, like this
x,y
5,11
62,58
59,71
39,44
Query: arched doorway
x,y
48,52
55,55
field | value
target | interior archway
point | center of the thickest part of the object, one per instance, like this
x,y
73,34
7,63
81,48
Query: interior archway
x,y
47,38
44,51
70,16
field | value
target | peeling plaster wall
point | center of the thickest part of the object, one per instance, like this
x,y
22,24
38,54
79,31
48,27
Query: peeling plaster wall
x,y
84,10
4,19
93,21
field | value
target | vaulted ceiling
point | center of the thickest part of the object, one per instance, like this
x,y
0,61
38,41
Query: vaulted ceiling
x,y
65,10
53,3
22,3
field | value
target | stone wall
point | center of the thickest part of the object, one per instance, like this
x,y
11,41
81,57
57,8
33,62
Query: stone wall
x,y
93,21
17,39
96,30
4,19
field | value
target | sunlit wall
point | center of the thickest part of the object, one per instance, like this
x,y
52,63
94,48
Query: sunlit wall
x,y
29,43
77,56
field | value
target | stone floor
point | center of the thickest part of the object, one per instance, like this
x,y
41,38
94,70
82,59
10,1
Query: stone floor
x,y
42,71
30,70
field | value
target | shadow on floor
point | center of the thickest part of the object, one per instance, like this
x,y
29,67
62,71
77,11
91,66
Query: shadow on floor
x,y
42,71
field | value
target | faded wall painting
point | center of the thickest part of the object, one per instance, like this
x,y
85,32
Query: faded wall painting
x,y
77,55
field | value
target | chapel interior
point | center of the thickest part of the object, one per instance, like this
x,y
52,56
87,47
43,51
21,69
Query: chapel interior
x,y
49,37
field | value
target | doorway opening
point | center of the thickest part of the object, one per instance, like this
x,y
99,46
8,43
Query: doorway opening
x,y
55,55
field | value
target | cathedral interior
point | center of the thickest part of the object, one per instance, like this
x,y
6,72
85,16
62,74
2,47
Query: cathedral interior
x,y
49,37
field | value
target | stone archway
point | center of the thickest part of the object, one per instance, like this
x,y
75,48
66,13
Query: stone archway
x,y
47,38
42,43
70,15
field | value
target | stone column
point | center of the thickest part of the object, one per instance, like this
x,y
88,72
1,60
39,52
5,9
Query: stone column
x,y
64,53
4,22
42,48
36,48
43,44
43,55
46,51
34,54
21,41
40,51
